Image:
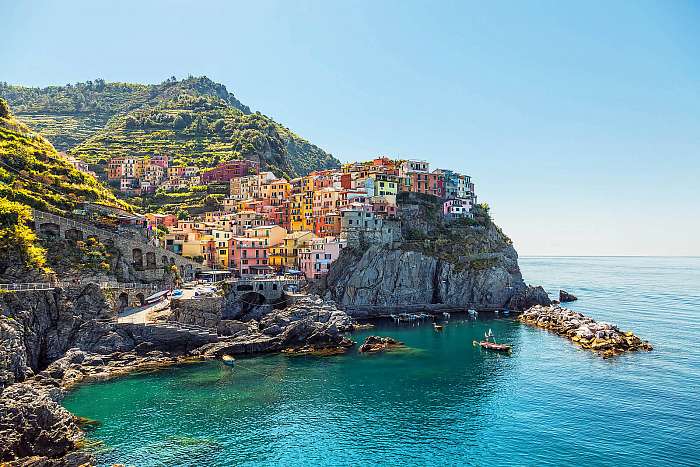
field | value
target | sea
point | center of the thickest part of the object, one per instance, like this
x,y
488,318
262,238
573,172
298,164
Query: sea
x,y
440,401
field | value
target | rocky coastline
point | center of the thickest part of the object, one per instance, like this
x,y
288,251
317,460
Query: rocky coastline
x,y
605,339
375,344
38,431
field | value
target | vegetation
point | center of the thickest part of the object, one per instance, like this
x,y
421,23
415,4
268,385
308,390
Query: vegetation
x,y
83,255
17,239
34,175
465,243
195,120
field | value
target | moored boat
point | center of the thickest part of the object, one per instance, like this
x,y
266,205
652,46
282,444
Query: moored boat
x,y
494,346
228,360
488,344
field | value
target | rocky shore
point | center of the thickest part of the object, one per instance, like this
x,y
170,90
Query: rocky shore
x,y
52,341
309,325
375,344
605,339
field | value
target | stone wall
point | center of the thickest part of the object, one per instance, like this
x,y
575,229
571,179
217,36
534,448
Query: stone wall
x,y
204,312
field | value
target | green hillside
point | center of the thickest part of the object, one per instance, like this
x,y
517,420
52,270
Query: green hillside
x,y
195,120
33,174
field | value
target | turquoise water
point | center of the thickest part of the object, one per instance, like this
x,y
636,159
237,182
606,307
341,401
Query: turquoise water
x,y
442,401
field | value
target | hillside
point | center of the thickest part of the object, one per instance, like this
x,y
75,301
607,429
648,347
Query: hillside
x,y
34,175
195,120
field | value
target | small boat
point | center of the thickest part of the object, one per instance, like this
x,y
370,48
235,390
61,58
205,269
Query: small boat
x,y
438,327
487,344
493,346
228,360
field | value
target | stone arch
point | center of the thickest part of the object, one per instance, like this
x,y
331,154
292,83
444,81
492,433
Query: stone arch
x,y
137,256
244,287
73,234
123,301
150,260
50,229
253,299
141,298
164,259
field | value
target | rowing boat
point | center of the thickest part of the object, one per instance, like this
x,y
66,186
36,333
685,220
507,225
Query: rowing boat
x,y
228,360
493,346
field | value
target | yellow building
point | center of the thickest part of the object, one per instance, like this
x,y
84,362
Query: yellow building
x,y
221,244
301,206
275,191
270,234
198,246
286,254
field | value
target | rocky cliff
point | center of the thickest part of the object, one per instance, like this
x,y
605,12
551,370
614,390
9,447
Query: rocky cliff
x,y
460,263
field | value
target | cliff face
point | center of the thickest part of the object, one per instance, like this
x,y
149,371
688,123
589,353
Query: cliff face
x,y
464,264
38,327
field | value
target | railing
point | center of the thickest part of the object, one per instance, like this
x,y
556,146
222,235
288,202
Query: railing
x,y
27,286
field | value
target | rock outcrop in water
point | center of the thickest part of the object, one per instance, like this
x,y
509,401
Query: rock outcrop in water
x,y
434,263
565,296
603,338
374,344
311,323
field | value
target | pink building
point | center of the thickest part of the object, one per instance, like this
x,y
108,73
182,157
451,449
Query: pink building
x,y
160,161
457,208
315,260
248,255
225,171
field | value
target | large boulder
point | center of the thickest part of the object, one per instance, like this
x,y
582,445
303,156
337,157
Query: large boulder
x,y
529,297
565,296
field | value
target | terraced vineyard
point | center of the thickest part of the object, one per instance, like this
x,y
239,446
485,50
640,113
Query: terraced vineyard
x,y
195,120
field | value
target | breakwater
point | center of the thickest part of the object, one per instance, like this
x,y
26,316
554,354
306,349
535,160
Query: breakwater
x,y
606,339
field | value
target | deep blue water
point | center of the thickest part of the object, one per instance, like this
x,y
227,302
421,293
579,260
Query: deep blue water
x,y
443,402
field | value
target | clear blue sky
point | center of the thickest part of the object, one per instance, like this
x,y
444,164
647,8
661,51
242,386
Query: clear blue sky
x,y
579,122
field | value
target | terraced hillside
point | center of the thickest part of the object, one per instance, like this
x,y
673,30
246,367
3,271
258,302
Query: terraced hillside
x,y
34,175
195,120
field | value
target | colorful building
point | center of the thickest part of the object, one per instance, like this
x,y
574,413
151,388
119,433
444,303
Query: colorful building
x,y
226,171
315,258
286,255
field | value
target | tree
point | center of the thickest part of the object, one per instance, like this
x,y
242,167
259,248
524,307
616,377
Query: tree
x,y
219,125
131,122
4,109
179,122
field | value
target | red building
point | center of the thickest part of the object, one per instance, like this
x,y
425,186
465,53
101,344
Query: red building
x,y
428,183
161,161
225,171
328,225
346,181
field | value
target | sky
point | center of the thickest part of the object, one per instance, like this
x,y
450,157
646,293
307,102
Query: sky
x,y
579,122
